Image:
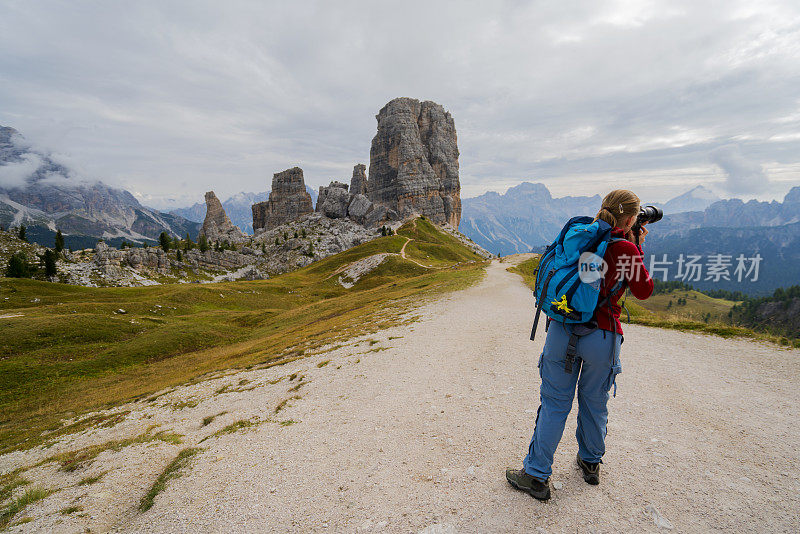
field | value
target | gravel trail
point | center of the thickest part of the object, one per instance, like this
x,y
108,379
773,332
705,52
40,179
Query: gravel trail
x,y
702,436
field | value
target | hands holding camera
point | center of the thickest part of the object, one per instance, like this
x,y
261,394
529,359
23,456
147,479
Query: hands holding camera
x,y
643,231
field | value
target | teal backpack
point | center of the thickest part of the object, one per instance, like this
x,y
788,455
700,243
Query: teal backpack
x,y
570,276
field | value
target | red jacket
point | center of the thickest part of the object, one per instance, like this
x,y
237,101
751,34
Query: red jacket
x,y
623,258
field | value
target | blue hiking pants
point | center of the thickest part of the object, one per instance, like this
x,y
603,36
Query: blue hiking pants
x,y
594,371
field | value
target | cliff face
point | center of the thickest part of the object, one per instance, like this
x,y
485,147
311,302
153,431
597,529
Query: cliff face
x,y
288,201
217,226
414,162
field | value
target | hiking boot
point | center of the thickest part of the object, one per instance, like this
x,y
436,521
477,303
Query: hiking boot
x,y
535,487
591,472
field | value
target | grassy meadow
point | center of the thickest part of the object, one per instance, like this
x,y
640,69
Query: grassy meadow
x,y
71,349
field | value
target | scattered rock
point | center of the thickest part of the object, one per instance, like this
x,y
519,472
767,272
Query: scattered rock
x,y
659,520
439,529
121,311
358,269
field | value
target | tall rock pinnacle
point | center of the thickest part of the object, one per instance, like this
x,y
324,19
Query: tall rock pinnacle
x,y
288,201
414,162
217,226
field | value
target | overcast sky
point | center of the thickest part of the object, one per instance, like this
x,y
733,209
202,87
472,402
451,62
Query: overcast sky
x,y
169,99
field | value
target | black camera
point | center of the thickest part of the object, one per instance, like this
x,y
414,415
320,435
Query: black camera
x,y
647,214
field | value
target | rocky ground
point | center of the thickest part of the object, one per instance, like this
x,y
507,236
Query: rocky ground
x,y
410,430
285,248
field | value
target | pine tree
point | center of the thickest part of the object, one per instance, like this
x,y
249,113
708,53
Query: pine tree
x,y
178,255
21,233
303,233
383,230
189,244
295,234
165,241
285,236
203,244
59,241
277,241
18,266
49,260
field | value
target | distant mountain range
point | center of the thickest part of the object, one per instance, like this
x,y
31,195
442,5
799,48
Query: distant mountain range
x,y
238,207
525,217
696,199
44,195
697,222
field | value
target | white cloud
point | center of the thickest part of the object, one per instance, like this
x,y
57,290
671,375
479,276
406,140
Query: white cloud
x,y
16,174
152,95
743,175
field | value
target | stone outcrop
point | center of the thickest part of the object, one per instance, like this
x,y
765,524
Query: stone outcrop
x,y
120,267
360,207
414,162
333,200
217,226
358,183
311,238
288,201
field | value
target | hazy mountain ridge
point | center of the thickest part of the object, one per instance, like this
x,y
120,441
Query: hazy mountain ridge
x,y
45,195
697,199
525,217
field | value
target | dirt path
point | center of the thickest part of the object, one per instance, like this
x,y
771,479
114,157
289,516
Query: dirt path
x,y
416,438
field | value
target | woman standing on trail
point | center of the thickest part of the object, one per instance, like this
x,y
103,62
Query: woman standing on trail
x,y
594,370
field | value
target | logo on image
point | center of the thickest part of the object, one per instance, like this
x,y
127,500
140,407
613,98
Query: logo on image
x,y
591,269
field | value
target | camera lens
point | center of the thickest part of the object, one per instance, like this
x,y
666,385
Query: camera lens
x,y
650,214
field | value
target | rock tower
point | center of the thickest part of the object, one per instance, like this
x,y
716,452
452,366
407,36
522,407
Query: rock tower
x,y
358,183
288,201
413,167
217,226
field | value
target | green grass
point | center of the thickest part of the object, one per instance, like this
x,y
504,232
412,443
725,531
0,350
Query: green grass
x,y
70,510
16,505
87,481
71,353
234,427
9,482
74,460
210,419
173,470
526,270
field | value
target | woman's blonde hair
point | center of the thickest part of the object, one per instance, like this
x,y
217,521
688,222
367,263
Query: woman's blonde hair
x,y
618,206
